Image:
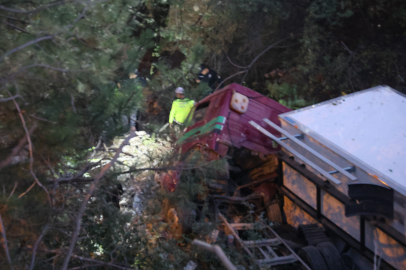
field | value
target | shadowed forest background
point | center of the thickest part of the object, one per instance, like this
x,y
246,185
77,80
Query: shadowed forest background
x,y
66,96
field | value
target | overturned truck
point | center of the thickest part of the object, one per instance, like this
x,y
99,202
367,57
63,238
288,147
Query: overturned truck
x,y
339,167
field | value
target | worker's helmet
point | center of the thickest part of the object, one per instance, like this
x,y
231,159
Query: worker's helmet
x,y
180,90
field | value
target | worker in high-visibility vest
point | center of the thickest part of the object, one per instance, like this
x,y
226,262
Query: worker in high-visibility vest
x,y
180,108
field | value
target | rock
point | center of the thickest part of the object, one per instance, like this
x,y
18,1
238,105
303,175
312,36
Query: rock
x,y
140,133
190,266
137,206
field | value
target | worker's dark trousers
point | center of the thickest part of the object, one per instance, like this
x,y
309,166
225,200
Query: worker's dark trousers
x,y
177,127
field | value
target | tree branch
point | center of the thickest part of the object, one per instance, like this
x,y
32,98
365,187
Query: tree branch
x,y
10,98
259,55
12,76
34,250
12,192
16,149
86,200
22,194
345,46
29,43
78,18
17,28
231,62
229,77
168,168
30,149
78,180
102,263
3,233
42,119
35,10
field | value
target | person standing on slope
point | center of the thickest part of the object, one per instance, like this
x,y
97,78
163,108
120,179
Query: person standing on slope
x,y
180,108
208,76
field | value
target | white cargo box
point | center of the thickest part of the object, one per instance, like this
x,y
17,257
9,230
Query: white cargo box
x,y
368,128
358,138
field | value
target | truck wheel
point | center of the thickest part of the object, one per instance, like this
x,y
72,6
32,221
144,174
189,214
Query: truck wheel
x,y
274,212
311,256
331,256
348,263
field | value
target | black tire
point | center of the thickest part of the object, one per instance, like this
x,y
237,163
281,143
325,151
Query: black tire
x,y
274,212
331,256
348,263
312,257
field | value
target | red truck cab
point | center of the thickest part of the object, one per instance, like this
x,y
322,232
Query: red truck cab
x,y
220,122
216,123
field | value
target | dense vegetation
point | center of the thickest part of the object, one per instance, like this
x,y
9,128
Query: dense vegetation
x,y
65,91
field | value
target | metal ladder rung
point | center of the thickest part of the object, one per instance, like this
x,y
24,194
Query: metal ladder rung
x,y
273,252
348,169
264,242
293,257
279,260
266,255
299,136
294,152
311,150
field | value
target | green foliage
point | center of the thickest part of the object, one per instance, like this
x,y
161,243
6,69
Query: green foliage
x,y
62,60
287,95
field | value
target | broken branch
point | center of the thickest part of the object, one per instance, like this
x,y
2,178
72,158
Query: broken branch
x,y
218,251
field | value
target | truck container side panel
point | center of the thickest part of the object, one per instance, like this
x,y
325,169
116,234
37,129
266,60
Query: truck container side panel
x,y
335,211
299,185
240,131
294,215
387,248
400,201
399,214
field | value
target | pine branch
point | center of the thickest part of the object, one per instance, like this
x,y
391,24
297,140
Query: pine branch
x,y
29,43
87,198
42,38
